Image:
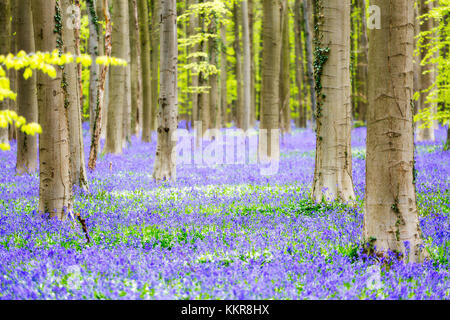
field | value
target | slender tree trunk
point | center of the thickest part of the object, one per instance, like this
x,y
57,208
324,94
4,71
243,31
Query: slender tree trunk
x,y
299,65
117,93
417,67
214,78
333,168
193,22
93,46
72,105
223,74
239,111
154,38
307,14
126,120
391,216
77,30
361,71
26,91
285,90
270,79
136,76
247,66
146,75
5,48
203,103
101,103
55,188
251,21
427,75
165,161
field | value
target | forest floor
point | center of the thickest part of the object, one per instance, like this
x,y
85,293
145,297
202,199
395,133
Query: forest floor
x,y
223,232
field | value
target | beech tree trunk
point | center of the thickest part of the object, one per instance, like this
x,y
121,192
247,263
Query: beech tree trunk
x,y
193,22
239,111
73,107
391,216
136,76
251,21
307,15
93,46
361,69
247,65
146,75
299,65
5,42
285,88
26,91
154,38
333,167
270,78
165,161
223,74
117,93
55,186
427,76
214,78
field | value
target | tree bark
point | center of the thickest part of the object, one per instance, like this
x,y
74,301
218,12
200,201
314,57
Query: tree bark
x,y
270,79
165,161
251,21
155,39
299,65
427,75
136,76
5,48
117,94
223,74
247,66
73,107
307,14
333,165
193,23
93,46
239,110
55,187
361,69
391,216
214,78
146,75
285,88
26,91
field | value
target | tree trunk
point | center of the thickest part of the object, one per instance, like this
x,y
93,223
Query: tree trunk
x,y
239,110
361,71
285,89
214,78
5,43
101,103
299,66
427,75
203,103
165,161
117,94
146,75
223,74
93,46
136,76
154,38
251,21
391,216
270,79
307,14
26,91
247,66
73,107
55,188
333,167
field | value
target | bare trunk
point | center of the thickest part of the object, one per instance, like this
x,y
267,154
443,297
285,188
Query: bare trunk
x,y
223,74
239,110
154,38
136,76
270,79
117,98
55,188
213,78
285,89
299,66
26,91
146,80
73,107
251,21
247,66
427,75
193,22
101,103
5,43
391,216
333,167
307,9
93,45
165,161
361,71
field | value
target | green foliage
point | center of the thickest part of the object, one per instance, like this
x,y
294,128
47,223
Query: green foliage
x,y
436,54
